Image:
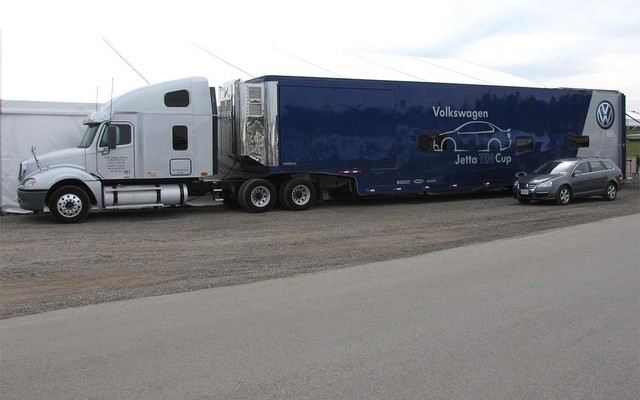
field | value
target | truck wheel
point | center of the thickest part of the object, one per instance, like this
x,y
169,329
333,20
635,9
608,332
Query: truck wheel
x,y
257,195
564,196
69,204
298,194
611,192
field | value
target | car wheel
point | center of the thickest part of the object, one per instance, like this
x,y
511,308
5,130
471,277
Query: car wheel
x,y
564,196
611,192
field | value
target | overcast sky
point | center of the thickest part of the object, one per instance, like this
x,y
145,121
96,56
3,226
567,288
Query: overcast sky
x,y
56,51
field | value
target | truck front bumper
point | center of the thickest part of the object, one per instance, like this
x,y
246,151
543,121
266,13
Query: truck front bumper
x,y
32,200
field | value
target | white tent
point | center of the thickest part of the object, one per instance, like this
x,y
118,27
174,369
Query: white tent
x,y
633,119
48,125
52,126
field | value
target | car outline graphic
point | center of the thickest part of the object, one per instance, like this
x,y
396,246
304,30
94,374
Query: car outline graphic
x,y
446,139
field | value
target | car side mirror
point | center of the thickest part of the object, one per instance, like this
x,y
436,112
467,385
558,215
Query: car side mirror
x,y
577,172
112,132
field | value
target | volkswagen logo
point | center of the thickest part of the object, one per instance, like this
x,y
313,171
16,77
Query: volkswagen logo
x,y
605,115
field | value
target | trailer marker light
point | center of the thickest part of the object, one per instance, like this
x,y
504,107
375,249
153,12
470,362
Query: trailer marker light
x,y
397,189
454,185
426,187
487,184
350,171
370,190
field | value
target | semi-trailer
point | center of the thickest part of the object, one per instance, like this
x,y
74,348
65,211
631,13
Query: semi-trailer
x,y
297,140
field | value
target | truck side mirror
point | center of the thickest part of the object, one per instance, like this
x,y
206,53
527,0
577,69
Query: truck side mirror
x,y
112,132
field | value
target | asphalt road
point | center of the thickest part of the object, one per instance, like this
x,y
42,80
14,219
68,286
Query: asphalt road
x,y
115,256
542,316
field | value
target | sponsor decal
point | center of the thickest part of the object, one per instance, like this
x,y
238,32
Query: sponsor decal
x,y
483,158
449,112
605,115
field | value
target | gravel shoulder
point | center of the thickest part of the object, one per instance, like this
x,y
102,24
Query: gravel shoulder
x,y
115,256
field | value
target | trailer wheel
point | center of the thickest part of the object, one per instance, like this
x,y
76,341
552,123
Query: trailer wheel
x,y
257,195
69,204
297,194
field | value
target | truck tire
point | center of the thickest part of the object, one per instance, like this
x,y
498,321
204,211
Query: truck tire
x,y
297,194
257,195
69,204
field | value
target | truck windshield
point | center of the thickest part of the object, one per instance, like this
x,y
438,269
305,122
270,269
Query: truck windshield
x,y
89,135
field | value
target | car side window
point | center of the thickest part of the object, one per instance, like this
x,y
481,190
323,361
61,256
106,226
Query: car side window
x,y
607,165
595,166
582,167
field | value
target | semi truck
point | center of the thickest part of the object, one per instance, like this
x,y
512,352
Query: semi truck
x,y
295,141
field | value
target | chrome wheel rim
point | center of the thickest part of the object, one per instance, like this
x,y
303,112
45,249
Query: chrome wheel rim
x,y
300,195
564,196
69,205
611,192
260,196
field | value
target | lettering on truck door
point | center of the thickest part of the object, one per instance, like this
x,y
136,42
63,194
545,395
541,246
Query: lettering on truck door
x,y
118,162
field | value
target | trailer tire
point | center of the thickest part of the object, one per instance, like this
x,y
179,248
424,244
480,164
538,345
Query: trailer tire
x,y
297,194
69,204
257,195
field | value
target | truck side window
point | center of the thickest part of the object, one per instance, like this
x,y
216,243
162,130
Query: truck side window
x,y
577,142
180,137
425,142
179,98
524,143
123,135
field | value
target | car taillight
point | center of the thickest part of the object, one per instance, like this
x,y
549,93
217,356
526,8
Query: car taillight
x,y
621,176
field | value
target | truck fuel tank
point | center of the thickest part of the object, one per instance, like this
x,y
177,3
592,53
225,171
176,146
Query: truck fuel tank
x,y
135,196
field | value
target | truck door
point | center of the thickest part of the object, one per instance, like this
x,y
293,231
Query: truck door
x,y
116,161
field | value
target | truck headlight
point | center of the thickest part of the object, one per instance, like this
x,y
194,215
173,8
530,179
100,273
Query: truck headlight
x,y
28,183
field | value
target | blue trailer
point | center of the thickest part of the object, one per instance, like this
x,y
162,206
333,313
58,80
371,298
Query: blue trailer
x,y
365,138
297,140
